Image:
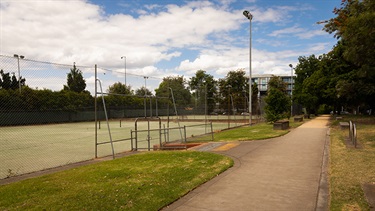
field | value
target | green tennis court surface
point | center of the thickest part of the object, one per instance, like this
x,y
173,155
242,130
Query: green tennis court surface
x,y
26,149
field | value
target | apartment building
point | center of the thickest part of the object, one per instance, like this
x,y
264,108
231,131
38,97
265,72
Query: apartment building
x,y
262,81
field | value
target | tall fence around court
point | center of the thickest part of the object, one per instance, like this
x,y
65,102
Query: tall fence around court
x,y
43,125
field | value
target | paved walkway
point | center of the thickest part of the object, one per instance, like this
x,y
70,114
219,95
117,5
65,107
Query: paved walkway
x,y
285,173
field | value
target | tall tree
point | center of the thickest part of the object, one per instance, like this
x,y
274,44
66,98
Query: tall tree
x,y
305,91
254,99
178,84
234,89
121,101
120,88
277,99
75,80
143,91
10,82
355,27
204,90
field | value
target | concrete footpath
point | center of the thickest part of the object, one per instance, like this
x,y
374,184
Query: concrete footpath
x,y
284,173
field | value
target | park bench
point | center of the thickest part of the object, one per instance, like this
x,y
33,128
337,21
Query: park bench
x,y
281,125
298,119
344,125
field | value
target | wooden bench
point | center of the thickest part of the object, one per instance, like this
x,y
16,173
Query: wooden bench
x,y
281,125
298,119
344,125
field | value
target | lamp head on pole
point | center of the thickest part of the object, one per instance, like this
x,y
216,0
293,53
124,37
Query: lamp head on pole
x,y
290,65
19,56
247,14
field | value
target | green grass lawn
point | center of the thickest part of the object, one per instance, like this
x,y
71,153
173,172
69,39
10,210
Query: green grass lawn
x,y
350,168
255,132
146,181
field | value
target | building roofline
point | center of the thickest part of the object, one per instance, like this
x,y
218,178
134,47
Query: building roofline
x,y
268,75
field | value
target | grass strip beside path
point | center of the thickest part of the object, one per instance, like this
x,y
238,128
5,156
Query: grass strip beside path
x,y
255,132
350,168
146,181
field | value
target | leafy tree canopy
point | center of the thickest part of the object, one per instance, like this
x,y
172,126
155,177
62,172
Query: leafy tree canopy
x,y
10,82
120,88
354,25
205,88
277,99
143,91
75,80
178,84
234,87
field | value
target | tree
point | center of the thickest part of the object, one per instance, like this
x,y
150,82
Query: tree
x,y
354,25
255,109
277,100
305,92
143,91
234,90
75,80
181,93
120,88
118,100
10,82
204,90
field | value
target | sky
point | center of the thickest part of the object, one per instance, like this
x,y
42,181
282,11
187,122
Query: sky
x,y
162,38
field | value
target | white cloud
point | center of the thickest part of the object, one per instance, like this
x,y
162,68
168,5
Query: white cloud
x,y
311,33
85,35
277,14
220,62
81,32
299,32
271,42
288,31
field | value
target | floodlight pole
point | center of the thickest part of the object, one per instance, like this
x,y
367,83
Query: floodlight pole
x,y
291,89
124,57
249,16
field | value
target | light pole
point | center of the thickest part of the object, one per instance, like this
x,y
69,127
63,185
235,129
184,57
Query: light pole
x,y
19,71
249,16
291,89
124,57
145,77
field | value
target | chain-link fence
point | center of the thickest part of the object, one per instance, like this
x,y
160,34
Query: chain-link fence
x,y
45,122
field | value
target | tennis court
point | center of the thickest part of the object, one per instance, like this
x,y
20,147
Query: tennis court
x,y
27,149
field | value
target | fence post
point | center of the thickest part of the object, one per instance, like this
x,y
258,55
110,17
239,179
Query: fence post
x,y
212,132
148,135
185,133
355,135
351,131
